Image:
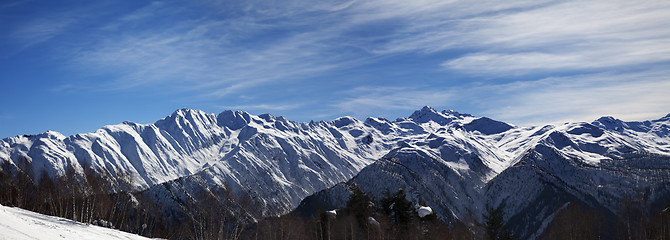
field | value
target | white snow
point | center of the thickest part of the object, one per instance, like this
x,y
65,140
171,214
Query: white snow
x,y
424,211
459,171
281,162
373,222
19,224
332,214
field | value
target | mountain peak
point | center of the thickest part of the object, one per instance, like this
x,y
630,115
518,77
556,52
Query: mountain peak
x,y
607,119
610,123
233,120
487,126
183,112
344,121
426,109
52,135
187,111
427,114
455,113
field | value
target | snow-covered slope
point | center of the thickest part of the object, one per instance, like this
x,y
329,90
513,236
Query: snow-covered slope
x,y
175,146
279,165
274,160
582,162
279,159
457,163
446,169
19,224
460,169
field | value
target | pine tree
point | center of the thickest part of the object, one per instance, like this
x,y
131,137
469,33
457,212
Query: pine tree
x,y
402,215
494,222
360,205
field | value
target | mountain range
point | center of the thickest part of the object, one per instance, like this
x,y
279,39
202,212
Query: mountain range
x,y
458,164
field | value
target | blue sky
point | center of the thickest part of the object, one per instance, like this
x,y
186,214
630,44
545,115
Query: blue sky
x,y
75,66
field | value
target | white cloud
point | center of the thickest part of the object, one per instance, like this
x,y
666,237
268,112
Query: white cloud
x,y
41,30
374,101
271,107
503,38
549,100
578,98
566,36
519,37
517,64
280,42
587,59
208,55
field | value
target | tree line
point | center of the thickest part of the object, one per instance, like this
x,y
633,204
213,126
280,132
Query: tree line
x,y
101,199
87,197
363,217
395,217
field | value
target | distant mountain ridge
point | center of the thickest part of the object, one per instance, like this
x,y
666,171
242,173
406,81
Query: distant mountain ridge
x,y
530,173
457,163
279,160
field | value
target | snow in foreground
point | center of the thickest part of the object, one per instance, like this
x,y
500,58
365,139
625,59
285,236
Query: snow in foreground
x,y
16,223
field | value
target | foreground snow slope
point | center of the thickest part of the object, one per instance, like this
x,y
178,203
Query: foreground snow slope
x,y
18,224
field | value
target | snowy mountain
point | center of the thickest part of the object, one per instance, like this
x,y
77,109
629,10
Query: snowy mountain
x,y
458,164
581,162
273,160
530,173
19,224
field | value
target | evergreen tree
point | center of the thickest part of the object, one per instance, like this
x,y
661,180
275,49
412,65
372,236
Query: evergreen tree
x,y
495,225
398,208
361,205
402,214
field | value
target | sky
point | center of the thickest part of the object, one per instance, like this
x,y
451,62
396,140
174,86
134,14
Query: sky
x,y
75,66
